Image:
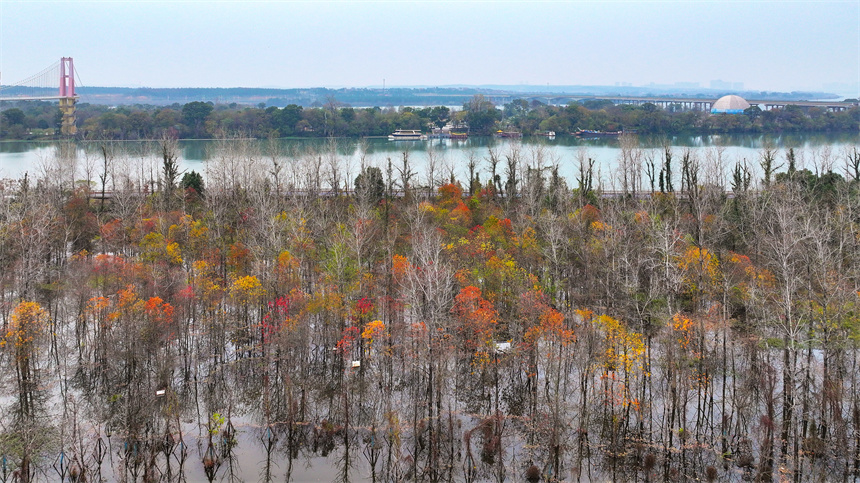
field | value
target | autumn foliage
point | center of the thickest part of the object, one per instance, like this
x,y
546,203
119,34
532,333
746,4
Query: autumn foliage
x,y
522,328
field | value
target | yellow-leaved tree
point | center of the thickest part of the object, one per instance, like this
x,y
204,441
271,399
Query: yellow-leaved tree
x,y
247,293
623,367
29,321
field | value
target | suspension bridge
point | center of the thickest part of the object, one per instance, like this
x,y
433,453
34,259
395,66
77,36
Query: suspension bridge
x,y
43,87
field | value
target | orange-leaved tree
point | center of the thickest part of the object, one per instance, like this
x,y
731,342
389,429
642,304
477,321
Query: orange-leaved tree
x,y
478,319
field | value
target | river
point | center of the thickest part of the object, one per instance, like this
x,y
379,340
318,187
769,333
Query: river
x,y
814,151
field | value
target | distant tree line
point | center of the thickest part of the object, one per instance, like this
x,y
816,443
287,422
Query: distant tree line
x,y
207,120
28,120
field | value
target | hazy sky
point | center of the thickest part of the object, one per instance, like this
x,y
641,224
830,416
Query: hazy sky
x,y
767,45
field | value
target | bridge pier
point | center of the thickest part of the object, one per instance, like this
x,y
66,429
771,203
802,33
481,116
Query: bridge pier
x,y
67,96
67,108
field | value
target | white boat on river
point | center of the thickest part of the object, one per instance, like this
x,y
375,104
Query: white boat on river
x,y
407,135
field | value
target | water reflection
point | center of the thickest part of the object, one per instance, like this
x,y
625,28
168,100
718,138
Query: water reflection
x,y
16,158
18,146
194,150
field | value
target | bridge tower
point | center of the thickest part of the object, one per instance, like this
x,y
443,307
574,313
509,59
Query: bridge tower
x,y
67,96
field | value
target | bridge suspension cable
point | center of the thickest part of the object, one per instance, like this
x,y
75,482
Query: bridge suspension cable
x,y
42,85
56,81
46,78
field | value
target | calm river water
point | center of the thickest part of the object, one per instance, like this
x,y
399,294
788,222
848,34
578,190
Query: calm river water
x,y
812,150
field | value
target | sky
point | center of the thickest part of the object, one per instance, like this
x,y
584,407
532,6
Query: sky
x,y
767,45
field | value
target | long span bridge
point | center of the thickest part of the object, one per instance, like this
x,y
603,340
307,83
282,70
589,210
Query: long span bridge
x,y
685,103
38,86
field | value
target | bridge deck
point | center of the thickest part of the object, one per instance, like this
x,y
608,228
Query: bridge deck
x,y
35,98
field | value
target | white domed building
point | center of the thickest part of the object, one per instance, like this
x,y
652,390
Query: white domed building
x,y
730,104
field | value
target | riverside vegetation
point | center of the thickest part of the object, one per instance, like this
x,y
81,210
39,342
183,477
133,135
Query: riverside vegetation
x,y
35,120
404,326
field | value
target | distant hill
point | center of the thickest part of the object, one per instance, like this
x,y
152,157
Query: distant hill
x,y
396,96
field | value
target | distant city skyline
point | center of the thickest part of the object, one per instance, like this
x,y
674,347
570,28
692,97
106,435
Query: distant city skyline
x,y
763,45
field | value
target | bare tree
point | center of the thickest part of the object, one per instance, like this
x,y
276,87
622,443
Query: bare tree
x,y
585,176
474,177
629,164
494,159
431,168
512,172
333,163
406,173
852,163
